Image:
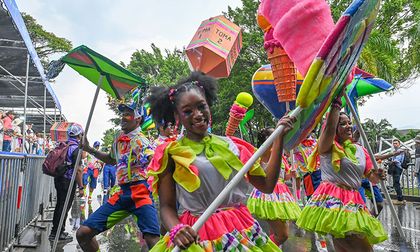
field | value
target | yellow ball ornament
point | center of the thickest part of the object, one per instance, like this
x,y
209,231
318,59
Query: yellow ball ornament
x,y
244,99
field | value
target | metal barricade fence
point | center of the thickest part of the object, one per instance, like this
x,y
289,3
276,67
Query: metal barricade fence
x,y
409,182
21,173
10,166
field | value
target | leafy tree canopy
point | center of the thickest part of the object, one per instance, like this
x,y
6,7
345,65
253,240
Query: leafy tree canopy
x,y
108,138
157,67
46,43
383,129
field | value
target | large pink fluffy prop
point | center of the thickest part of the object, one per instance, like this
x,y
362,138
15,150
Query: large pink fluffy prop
x,y
301,26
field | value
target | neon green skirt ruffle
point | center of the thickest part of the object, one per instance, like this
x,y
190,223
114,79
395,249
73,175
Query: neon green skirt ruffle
x,y
339,212
340,223
279,205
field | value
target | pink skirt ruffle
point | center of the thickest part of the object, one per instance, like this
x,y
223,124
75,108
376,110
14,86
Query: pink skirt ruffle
x,y
221,222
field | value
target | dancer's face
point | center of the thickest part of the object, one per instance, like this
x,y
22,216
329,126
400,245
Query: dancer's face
x,y
128,122
193,112
167,130
344,128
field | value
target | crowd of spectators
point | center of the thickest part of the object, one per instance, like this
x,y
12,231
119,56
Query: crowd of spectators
x,y
11,136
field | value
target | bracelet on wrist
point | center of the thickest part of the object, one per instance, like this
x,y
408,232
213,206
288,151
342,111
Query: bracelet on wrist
x,y
335,105
337,101
175,230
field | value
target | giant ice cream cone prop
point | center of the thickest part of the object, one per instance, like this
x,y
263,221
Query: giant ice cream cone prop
x,y
284,73
301,27
237,112
284,70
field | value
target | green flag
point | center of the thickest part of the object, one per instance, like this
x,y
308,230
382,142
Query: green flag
x,y
117,81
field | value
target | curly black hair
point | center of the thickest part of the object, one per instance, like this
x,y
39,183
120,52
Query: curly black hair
x,y
163,100
263,135
344,113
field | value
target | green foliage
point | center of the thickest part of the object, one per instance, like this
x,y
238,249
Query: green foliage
x,y
383,129
374,131
45,43
392,50
113,106
410,135
108,138
158,68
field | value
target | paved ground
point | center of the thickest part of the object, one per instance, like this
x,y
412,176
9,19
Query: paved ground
x,y
124,237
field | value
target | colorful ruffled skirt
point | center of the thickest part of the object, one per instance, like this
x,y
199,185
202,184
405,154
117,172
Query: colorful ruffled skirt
x,y
340,212
232,229
279,205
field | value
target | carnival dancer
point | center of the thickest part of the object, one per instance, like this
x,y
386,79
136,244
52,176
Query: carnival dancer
x,y
131,152
166,132
298,177
109,175
336,207
311,179
91,172
278,207
194,169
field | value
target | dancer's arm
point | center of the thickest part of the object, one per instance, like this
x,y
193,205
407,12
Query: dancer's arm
x,y
168,212
266,184
103,156
328,134
386,156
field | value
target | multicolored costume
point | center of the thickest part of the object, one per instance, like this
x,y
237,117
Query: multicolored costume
x,y
109,175
132,152
365,190
91,171
301,155
279,205
336,207
163,139
311,179
202,170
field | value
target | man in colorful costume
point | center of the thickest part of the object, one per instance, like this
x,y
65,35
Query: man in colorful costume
x,y
131,153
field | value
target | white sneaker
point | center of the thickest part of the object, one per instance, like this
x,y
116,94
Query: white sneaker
x,y
321,243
